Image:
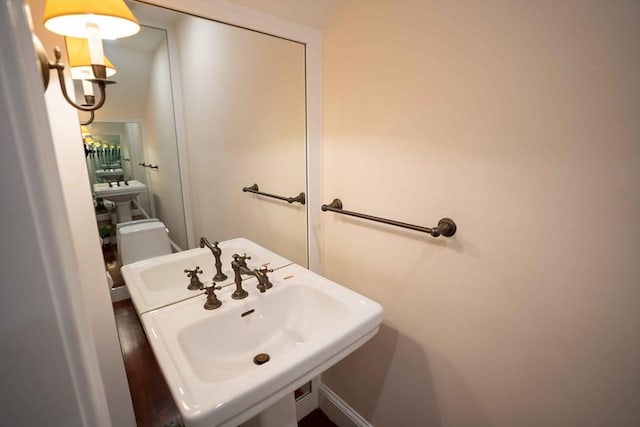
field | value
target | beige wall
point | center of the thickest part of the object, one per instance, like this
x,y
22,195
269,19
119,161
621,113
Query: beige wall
x,y
244,112
519,120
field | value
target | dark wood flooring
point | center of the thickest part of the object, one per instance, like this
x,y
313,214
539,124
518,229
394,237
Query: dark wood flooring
x,y
316,418
152,401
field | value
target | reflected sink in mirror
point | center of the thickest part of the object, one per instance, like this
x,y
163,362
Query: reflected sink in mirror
x,y
159,281
110,174
121,193
305,323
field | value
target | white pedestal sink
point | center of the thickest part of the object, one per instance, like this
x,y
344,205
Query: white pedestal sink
x,y
305,324
280,414
121,195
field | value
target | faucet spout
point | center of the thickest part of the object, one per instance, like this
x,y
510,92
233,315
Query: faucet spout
x,y
205,242
260,274
217,252
263,280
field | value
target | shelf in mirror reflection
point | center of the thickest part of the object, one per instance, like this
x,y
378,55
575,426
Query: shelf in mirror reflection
x,y
110,174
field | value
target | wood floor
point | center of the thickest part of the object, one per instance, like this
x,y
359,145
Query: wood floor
x,y
152,401
317,418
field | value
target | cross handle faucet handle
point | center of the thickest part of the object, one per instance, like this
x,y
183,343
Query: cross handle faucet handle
x,y
241,259
263,279
212,300
194,282
195,271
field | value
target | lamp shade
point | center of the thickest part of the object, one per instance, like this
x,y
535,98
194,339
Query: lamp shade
x,y
70,18
80,60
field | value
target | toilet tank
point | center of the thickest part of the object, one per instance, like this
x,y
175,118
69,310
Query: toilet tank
x,y
142,240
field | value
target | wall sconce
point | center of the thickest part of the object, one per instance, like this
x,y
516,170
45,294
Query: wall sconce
x,y
81,69
91,20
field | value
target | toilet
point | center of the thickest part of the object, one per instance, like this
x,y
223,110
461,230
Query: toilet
x,y
141,239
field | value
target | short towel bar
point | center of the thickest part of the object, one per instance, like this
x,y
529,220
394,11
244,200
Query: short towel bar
x,y
144,165
300,198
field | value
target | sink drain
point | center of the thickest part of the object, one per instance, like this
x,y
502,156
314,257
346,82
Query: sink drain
x,y
261,358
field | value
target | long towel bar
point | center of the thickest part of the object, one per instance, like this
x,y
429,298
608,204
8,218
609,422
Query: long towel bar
x,y
300,198
446,227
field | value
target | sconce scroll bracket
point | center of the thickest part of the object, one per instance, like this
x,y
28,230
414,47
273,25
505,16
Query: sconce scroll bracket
x,y
59,67
45,66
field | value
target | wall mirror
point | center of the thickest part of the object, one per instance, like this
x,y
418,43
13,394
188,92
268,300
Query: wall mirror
x,y
216,108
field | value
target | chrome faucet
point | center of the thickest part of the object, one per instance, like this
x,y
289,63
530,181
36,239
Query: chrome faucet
x,y
216,251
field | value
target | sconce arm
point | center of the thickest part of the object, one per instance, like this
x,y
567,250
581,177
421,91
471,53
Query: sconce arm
x,y
90,120
59,67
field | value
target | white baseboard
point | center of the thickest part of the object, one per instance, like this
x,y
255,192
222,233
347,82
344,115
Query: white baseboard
x,y
119,293
337,409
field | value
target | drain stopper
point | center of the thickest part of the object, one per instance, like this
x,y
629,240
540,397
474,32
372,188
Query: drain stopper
x,y
261,358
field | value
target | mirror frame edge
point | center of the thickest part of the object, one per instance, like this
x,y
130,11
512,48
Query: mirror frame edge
x,y
181,136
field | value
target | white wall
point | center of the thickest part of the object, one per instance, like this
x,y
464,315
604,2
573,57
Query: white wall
x,y
135,144
127,99
48,358
161,149
76,195
244,121
519,120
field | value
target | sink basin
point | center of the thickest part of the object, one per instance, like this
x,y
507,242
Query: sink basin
x,y
305,323
159,281
118,194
